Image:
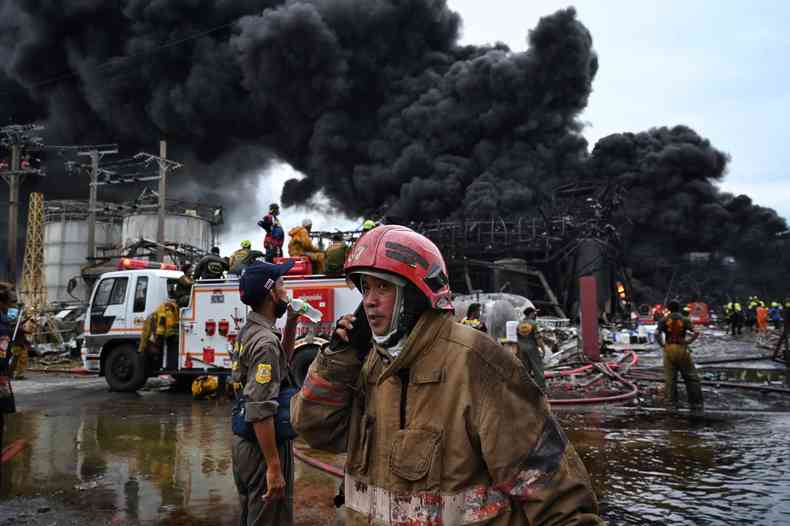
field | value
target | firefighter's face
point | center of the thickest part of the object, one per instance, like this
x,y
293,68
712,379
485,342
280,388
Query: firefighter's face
x,y
378,298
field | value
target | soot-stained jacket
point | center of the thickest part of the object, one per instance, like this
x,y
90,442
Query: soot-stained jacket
x,y
452,432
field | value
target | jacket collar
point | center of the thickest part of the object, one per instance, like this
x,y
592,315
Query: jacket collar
x,y
257,319
418,343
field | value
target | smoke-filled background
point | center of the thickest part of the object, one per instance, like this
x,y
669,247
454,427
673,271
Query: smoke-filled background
x,y
381,109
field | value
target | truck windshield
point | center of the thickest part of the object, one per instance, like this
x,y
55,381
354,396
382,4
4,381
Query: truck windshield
x,y
112,291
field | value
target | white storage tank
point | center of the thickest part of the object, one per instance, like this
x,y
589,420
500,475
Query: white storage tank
x,y
184,229
66,244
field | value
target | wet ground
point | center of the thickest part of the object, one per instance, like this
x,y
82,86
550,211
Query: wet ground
x,y
158,457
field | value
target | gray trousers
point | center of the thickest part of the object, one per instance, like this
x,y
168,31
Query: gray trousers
x,y
249,473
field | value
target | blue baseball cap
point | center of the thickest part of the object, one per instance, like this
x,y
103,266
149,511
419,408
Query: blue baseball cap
x,y
258,279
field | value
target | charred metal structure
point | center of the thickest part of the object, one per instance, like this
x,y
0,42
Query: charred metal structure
x,y
541,255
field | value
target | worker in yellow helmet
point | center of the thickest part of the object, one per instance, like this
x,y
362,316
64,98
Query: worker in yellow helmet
x,y
236,260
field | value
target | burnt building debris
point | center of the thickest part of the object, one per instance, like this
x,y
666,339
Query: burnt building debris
x,y
542,255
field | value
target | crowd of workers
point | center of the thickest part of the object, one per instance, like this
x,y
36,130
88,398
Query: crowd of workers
x,y
754,314
327,261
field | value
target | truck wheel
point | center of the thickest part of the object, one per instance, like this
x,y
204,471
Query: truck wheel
x,y
301,362
125,370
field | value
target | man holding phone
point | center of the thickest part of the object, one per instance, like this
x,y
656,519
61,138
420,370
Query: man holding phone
x,y
440,423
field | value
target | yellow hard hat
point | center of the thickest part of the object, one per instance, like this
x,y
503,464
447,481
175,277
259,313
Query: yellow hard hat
x,y
369,224
205,387
246,244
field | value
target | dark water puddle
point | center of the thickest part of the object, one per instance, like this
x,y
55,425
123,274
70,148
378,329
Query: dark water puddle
x,y
162,458
155,459
670,469
144,466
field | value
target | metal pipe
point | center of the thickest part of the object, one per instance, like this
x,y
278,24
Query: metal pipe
x,y
732,385
734,360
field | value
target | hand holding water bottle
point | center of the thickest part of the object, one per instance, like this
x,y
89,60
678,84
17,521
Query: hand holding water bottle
x,y
305,309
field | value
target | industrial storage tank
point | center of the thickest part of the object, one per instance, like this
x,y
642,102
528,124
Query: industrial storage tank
x,y
66,244
184,229
185,224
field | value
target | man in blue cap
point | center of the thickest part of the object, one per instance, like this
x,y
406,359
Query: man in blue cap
x,y
263,466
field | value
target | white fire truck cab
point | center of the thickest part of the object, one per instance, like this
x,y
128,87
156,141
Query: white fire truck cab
x,y
121,302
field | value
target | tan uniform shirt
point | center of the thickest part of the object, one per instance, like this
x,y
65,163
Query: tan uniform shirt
x,y
260,367
452,432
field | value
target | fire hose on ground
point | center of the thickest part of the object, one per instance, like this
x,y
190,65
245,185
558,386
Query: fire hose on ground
x,y
606,370
639,376
326,467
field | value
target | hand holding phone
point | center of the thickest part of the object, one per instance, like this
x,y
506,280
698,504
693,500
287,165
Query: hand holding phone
x,y
353,329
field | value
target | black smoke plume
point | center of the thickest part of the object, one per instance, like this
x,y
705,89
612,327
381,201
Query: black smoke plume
x,y
373,100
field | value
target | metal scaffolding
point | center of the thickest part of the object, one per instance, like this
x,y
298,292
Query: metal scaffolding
x,y
34,289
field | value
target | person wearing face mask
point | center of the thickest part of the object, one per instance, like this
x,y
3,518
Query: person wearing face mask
x,y
263,463
441,425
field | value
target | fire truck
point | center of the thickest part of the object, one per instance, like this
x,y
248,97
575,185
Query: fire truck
x,y
122,300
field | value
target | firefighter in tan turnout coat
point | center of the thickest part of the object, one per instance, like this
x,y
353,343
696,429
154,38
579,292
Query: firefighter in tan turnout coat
x,y
440,423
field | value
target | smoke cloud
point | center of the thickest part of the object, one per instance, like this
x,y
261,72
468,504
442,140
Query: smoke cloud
x,y
373,100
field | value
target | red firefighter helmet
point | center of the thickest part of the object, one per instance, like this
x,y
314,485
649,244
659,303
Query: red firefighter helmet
x,y
403,252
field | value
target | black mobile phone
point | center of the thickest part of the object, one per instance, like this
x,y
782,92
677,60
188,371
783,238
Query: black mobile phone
x,y
361,335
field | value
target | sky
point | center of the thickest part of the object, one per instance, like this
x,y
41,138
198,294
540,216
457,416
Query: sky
x,y
720,67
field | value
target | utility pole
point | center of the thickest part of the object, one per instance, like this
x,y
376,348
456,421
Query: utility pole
x,y
95,154
165,166
13,211
15,137
160,227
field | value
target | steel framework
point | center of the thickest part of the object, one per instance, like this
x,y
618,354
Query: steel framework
x,y
34,288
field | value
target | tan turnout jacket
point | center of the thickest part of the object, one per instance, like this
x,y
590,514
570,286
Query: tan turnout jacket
x,y
452,432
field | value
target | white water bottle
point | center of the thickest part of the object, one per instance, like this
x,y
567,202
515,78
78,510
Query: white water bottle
x,y
307,310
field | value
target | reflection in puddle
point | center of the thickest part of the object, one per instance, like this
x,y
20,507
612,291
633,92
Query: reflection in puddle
x,y
664,469
163,459
146,467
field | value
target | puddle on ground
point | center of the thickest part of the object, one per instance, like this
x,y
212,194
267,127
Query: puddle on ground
x,y
662,469
162,458
159,458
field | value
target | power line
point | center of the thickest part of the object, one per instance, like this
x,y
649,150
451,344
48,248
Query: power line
x,y
117,61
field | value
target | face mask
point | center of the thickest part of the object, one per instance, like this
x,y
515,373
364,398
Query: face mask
x,y
280,308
